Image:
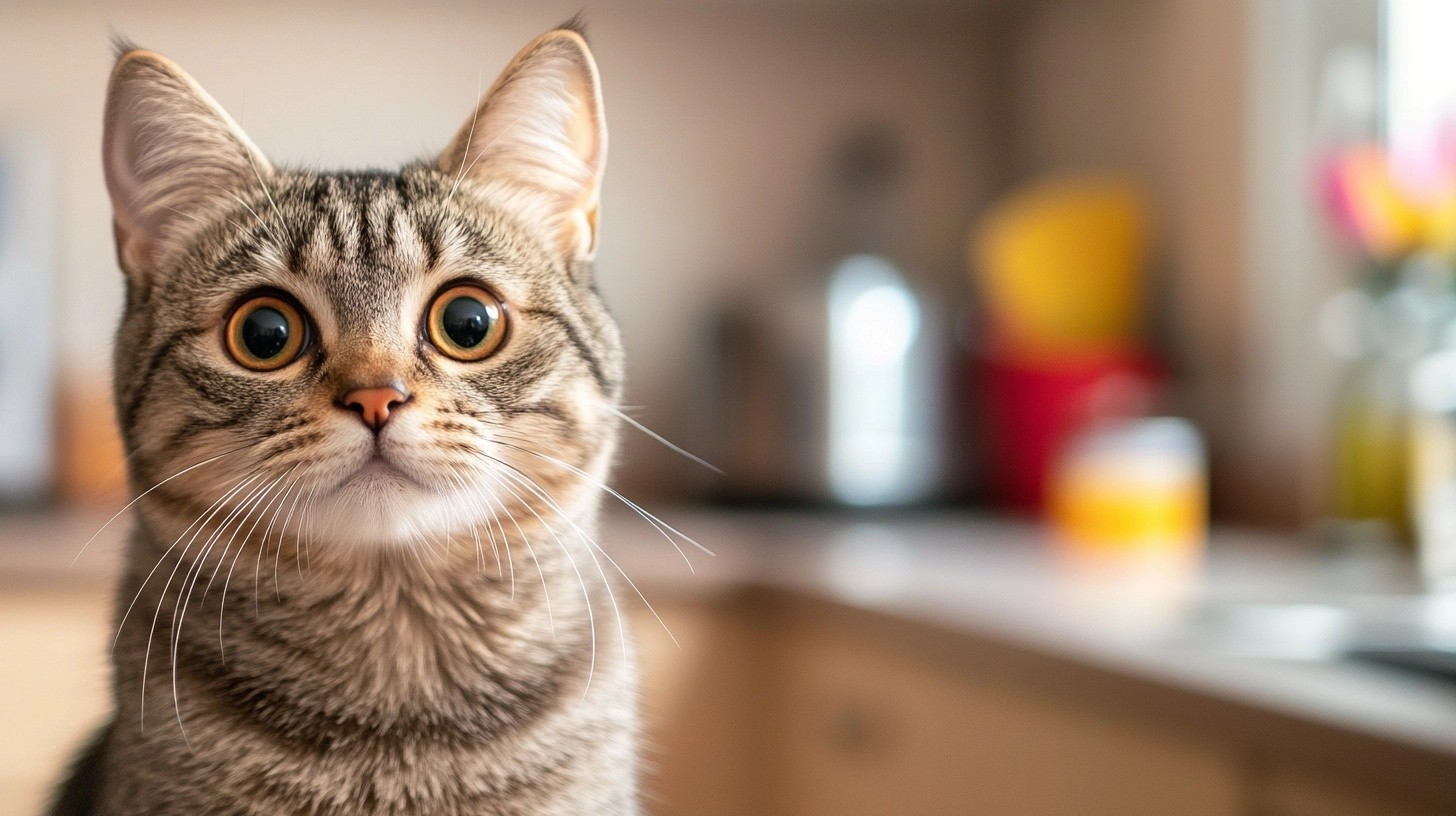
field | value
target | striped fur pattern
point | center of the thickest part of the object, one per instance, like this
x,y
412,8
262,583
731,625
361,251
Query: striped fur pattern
x,y
303,631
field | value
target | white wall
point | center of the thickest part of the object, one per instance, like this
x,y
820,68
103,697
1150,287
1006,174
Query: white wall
x,y
719,117
1292,265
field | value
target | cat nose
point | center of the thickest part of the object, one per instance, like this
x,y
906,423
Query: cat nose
x,y
375,405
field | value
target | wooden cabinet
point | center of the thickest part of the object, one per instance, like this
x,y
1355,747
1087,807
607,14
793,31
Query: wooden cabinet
x,y
866,729
761,704
775,705
701,696
54,676
1284,792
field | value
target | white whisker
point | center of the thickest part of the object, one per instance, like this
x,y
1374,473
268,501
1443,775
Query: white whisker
x,y
580,580
525,539
662,527
144,494
262,545
181,557
530,483
184,592
660,438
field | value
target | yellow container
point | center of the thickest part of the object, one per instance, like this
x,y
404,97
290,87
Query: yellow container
x,y
1062,266
1130,490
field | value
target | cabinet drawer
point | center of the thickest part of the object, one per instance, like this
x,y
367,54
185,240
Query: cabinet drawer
x,y
869,730
1285,792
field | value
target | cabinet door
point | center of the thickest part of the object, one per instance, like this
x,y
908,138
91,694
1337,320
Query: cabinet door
x,y
54,674
869,730
700,698
1292,793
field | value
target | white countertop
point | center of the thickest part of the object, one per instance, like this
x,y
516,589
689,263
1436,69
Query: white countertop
x,y
1261,625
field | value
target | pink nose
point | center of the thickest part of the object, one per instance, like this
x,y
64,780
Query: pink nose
x,y
375,405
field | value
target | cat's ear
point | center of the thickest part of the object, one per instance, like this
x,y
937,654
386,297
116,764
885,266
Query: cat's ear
x,y
171,154
540,133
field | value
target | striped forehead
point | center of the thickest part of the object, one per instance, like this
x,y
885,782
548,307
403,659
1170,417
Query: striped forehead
x,y
348,229
364,240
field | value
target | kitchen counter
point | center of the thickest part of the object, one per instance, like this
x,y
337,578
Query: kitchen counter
x,y
1250,649
1003,580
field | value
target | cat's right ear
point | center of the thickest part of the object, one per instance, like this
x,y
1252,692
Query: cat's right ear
x,y
171,154
541,134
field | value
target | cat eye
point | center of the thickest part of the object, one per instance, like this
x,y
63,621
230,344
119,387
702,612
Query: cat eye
x,y
265,333
466,322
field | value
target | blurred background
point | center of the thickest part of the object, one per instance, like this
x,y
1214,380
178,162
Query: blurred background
x,y
1082,374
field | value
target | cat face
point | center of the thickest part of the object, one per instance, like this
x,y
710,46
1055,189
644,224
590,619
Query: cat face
x,y
365,358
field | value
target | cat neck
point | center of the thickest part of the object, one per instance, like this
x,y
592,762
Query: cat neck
x,y
438,636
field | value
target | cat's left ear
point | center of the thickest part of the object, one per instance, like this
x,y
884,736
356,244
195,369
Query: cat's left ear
x,y
540,137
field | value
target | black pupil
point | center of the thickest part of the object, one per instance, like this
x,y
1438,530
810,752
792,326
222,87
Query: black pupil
x,y
265,332
466,321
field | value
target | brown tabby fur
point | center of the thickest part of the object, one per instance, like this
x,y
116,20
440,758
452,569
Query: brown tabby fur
x,y
296,638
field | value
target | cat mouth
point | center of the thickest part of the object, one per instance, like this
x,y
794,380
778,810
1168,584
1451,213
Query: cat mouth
x,y
378,470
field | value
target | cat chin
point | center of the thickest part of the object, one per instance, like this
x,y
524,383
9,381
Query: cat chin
x,y
389,511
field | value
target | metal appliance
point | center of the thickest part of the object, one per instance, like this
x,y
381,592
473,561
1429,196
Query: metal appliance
x,y
827,385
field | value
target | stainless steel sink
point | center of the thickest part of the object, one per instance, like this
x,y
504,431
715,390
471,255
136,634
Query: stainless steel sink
x,y
1412,631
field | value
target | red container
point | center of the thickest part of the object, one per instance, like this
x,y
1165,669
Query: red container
x,y
1033,408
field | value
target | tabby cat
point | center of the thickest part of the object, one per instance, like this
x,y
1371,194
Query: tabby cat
x,y
368,418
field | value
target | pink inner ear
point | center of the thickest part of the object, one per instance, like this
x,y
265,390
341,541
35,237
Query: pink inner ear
x,y
582,130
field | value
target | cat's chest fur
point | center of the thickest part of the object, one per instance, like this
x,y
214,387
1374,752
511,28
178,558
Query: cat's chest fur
x,y
395,687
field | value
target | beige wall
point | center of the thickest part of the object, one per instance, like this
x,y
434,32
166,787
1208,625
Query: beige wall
x,y
719,115
1160,90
